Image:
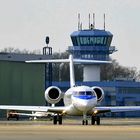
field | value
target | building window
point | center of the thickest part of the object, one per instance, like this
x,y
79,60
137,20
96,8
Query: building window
x,y
129,90
91,40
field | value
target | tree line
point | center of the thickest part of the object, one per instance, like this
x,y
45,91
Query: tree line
x,y
109,72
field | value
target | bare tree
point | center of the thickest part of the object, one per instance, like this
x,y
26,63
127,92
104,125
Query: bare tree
x,y
16,50
114,70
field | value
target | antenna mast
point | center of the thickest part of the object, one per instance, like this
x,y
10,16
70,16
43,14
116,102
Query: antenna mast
x,y
93,21
89,22
104,21
78,21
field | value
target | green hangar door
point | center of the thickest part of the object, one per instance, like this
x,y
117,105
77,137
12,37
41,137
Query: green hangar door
x,y
21,83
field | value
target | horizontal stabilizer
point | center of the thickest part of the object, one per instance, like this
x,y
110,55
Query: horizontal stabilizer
x,y
48,61
76,61
85,61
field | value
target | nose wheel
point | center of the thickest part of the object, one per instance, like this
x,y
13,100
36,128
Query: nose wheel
x,y
85,121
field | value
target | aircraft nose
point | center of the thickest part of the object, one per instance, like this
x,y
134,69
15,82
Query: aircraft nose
x,y
83,106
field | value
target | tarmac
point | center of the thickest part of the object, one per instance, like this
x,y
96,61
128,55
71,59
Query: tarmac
x,y
110,129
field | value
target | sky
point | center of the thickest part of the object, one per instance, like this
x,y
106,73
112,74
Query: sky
x,y
24,24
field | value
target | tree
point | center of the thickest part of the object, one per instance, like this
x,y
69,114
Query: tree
x,y
18,51
114,70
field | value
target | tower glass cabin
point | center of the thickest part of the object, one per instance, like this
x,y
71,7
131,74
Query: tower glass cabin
x,y
93,44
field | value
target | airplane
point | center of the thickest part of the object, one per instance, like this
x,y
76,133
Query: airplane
x,y
78,100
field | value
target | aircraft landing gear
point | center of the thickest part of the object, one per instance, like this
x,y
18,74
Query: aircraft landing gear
x,y
95,119
85,121
57,118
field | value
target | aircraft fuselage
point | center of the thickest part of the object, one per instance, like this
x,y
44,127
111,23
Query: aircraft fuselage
x,y
81,99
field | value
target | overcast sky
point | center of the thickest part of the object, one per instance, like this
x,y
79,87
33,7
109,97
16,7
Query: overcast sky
x,y
26,23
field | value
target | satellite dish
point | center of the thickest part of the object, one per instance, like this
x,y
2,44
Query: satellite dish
x,y
47,40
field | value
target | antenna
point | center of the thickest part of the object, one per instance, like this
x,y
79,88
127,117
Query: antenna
x,y
89,21
104,21
93,20
78,21
81,26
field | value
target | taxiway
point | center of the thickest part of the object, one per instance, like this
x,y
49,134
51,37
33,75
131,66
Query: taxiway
x,y
111,129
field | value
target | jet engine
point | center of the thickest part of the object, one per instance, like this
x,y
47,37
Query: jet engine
x,y
99,93
53,95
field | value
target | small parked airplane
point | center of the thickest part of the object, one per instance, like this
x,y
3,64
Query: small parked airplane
x,y
78,100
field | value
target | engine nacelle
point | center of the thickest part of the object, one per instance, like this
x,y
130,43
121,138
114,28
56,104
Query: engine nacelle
x,y
99,93
53,95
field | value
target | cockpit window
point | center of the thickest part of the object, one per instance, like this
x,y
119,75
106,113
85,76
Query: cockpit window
x,y
83,93
89,93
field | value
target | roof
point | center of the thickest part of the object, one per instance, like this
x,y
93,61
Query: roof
x,y
114,84
21,57
94,32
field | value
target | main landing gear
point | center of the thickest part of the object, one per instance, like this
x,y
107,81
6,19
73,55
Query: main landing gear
x,y
94,119
57,119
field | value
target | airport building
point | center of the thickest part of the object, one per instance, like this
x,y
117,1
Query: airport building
x,y
24,84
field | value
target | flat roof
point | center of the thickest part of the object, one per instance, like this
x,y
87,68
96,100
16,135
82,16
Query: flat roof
x,y
114,84
94,32
22,57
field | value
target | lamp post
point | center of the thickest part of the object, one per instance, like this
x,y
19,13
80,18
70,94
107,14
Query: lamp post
x,y
48,67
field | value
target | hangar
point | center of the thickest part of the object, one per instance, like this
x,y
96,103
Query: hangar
x,y
21,83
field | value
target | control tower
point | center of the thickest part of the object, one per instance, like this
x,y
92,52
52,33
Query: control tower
x,y
92,44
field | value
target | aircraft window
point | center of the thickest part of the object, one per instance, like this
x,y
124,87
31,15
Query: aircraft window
x,y
85,93
89,93
76,93
82,93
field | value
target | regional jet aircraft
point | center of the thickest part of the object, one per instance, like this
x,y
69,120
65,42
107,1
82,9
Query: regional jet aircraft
x,y
78,100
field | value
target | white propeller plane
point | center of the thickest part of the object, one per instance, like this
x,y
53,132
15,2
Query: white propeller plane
x,y
78,100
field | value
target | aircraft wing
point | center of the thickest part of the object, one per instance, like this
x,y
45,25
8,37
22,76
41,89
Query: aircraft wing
x,y
34,108
27,114
40,114
113,109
